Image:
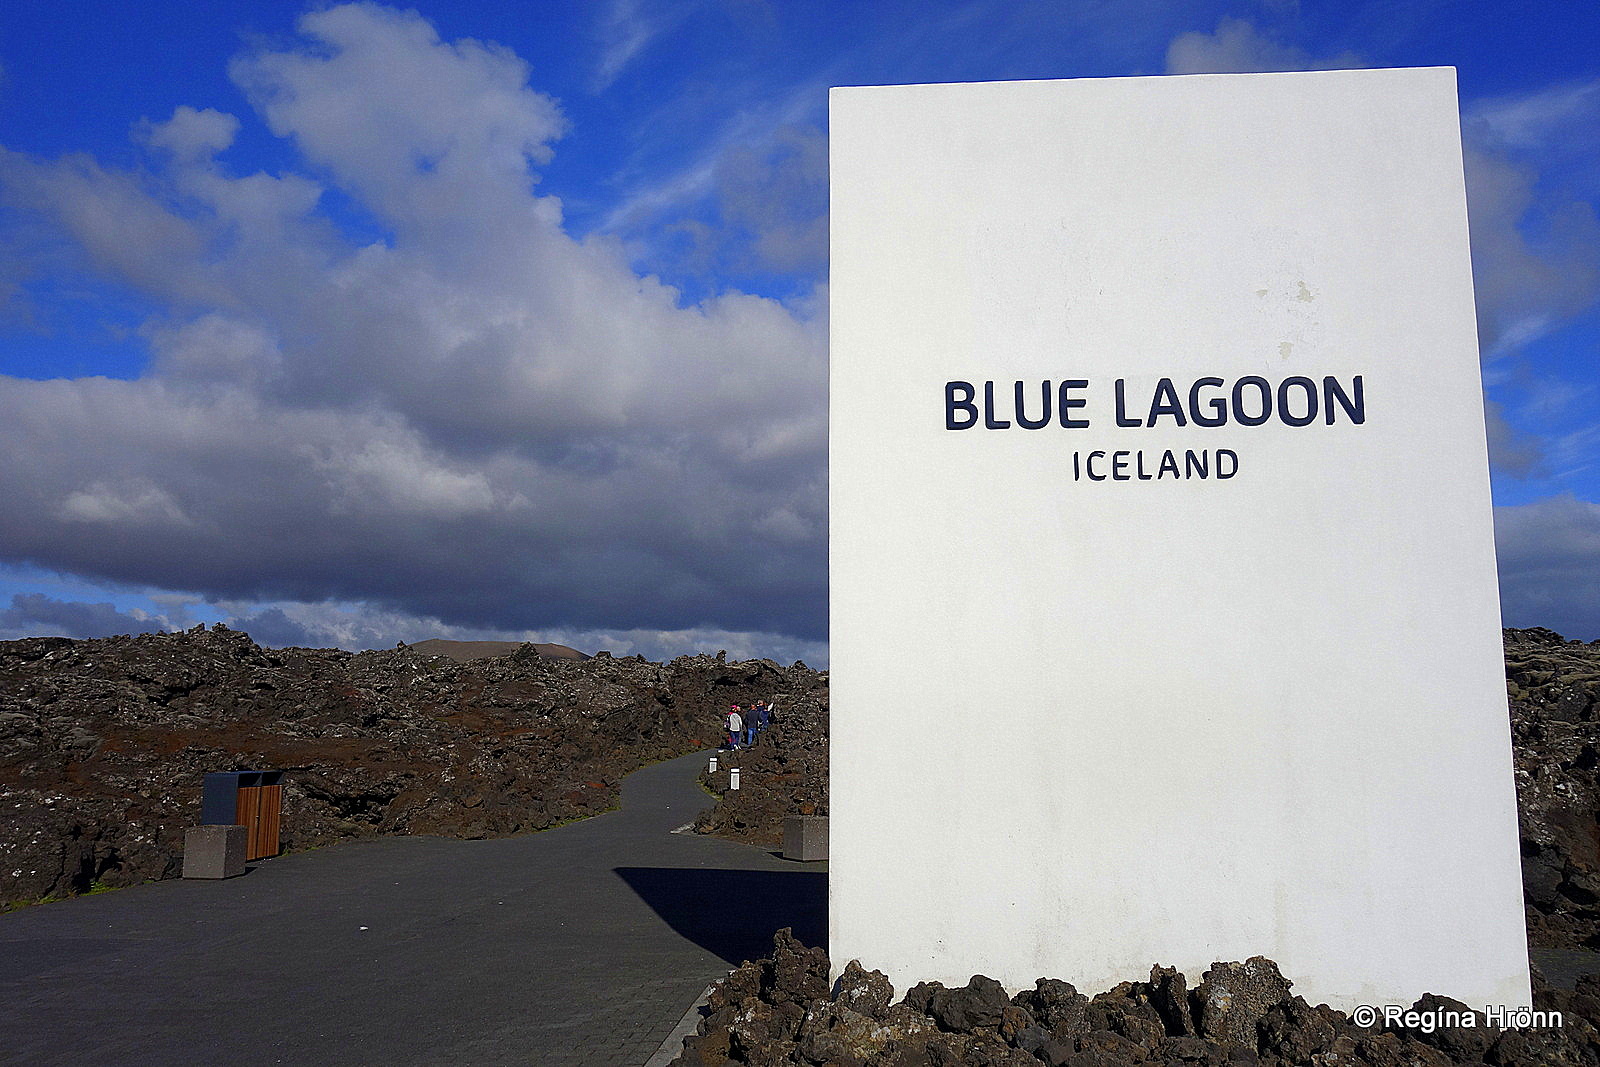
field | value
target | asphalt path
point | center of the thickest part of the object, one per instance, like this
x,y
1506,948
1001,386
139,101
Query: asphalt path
x,y
581,945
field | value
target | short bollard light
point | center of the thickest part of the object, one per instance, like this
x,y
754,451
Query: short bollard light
x,y
712,769
733,778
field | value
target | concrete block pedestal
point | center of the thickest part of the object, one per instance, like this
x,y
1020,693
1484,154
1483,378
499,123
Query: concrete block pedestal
x,y
214,851
805,837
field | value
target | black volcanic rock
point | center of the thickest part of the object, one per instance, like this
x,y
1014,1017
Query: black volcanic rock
x,y
1553,684
103,743
863,991
1252,1020
1232,997
979,1003
1057,1008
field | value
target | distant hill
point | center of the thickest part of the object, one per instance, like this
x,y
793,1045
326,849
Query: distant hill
x,y
467,651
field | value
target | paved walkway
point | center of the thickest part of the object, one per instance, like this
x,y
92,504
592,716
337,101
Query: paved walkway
x,y
582,945
1562,967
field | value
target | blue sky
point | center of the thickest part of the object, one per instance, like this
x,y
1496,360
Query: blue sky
x,y
351,324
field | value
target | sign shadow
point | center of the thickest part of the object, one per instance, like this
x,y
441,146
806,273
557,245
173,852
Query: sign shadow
x,y
733,913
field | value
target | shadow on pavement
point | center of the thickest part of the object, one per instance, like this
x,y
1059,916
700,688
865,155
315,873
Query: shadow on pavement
x,y
1562,967
734,913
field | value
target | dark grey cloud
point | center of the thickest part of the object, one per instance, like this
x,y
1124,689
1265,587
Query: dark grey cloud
x,y
275,629
1549,555
35,614
480,421
1510,452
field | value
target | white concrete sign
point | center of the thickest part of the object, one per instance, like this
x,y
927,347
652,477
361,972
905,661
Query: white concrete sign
x,y
1164,615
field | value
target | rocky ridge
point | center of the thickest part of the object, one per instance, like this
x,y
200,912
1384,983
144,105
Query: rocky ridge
x,y
104,743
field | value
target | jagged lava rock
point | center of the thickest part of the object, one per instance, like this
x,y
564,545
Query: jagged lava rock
x,y
104,743
1553,684
1240,1014
786,771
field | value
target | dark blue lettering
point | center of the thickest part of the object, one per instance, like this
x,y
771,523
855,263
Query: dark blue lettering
x,y
1022,415
1122,411
1193,462
952,404
1264,389
1356,409
1233,468
1088,467
1164,401
1064,402
1310,388
1119,467
989,421
1169,465
1218,406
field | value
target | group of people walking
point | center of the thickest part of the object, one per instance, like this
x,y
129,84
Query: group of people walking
x,y
746,724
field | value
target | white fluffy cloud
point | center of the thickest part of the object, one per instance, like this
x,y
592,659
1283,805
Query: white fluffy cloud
x,y
1563,117
476,418
1237,47
627,28
1536,243
361,626
389,390
364,626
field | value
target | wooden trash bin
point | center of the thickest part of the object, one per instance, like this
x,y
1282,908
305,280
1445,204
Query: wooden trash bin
x,y
252,799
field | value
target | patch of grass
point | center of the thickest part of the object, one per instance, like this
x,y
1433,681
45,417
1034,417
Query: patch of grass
x,y
96,887
615,805
18,905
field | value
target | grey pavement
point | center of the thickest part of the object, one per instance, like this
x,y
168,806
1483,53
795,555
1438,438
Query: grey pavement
x,y
1562,967
582,945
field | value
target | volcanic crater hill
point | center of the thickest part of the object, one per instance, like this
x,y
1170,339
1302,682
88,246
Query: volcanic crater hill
x,y
104,743
467,651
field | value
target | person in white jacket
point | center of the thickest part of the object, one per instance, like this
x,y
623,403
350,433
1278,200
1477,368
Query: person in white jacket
x,y
735,727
